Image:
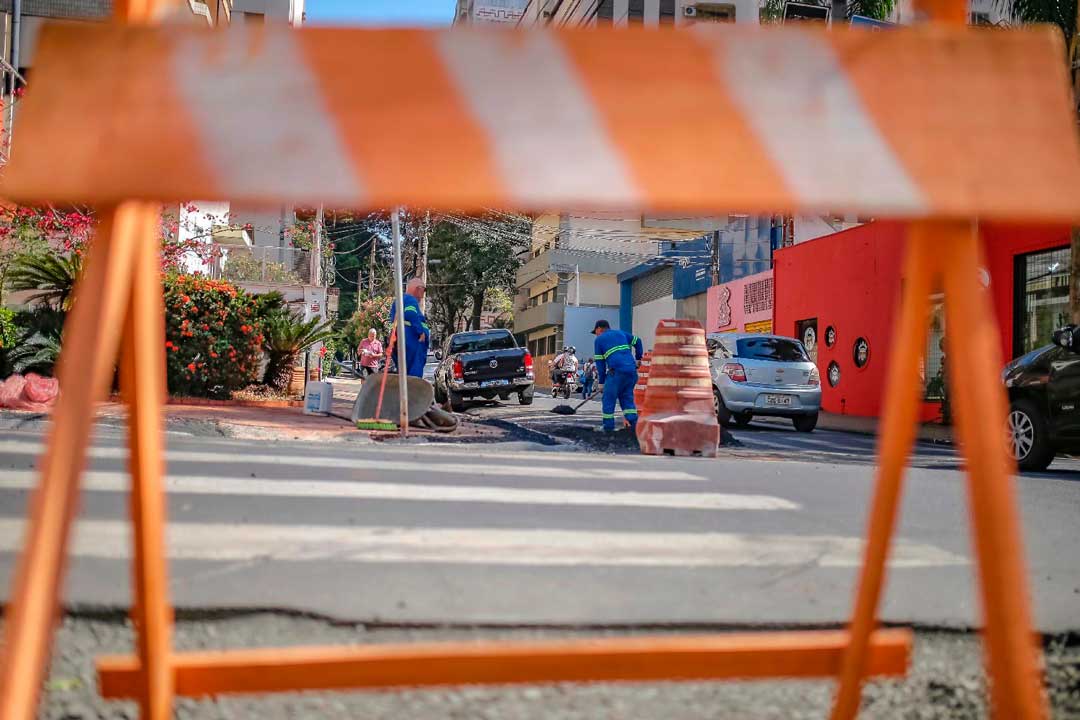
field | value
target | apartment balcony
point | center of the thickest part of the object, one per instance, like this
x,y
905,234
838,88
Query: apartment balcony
x,y
241,263
569,260
539,316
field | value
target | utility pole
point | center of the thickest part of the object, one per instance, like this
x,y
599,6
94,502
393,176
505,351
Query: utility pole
x,y
316,258
839,12
422,259
399,300
16,25
371,269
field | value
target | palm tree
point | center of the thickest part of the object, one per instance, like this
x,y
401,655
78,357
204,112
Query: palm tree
x,y
50,277
39,346
287,335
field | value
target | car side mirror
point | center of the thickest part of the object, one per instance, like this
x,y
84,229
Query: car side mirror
x,y
1068,337
438,354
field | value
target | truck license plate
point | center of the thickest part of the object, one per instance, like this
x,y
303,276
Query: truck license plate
x,y
493,383
777,399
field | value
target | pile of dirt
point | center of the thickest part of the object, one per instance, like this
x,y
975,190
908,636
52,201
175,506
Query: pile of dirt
x,y
621,442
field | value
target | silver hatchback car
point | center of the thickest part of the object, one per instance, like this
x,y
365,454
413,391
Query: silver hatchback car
x,y
763,375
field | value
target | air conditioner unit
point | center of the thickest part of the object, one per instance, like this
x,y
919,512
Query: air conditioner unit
x,y
689,11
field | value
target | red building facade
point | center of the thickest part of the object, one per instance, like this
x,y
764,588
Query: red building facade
x,y
840,295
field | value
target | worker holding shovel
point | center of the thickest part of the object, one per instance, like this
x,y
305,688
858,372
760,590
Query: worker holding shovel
x,y
616,369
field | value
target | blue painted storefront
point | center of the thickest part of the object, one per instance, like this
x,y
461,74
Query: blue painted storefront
x,y
746,248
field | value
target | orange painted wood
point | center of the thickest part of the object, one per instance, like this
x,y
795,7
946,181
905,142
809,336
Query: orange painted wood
x,y
744,655
143,384
911,91
85,370
981,406
902,401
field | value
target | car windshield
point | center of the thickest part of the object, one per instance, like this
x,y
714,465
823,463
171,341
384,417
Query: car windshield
x,y
481,342
771,348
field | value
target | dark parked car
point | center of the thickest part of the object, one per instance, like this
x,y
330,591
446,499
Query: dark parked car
x,y
483,363
1044,401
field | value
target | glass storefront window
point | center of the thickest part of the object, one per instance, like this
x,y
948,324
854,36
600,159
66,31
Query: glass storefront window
x,y
1042,294
933,370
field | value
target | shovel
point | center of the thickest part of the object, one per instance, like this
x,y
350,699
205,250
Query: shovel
x,y
567,410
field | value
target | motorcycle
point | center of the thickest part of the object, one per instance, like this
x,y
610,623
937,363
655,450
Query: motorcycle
x,y
565,386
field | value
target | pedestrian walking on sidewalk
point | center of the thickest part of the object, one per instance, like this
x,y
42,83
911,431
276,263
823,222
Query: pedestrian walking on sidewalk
x,y
588,377
371,351
616,370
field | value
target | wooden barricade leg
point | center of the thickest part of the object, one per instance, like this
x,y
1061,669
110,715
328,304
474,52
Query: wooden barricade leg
x,y
979,400
143,384
85,370
894,445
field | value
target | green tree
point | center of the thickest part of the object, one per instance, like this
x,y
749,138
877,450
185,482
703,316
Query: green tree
x,y
500,302
372,313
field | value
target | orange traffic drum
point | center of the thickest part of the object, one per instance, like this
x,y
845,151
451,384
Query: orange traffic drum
x,y
679,379
642,382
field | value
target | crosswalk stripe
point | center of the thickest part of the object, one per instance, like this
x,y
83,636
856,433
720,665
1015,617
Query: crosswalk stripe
x,y
106,539
358,463
205,485
572,457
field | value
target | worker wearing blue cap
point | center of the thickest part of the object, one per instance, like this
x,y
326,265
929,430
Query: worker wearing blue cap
x,y
616,368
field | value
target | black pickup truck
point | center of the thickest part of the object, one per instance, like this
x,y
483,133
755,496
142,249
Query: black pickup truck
x,y
483,363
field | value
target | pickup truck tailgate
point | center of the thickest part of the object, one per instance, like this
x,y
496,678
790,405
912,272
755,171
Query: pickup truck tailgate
x,y
493,364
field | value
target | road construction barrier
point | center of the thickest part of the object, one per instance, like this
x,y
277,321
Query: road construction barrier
x,y
915,123
642,382
679,394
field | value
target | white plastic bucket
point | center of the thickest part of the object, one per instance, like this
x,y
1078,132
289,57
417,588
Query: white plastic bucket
x,y
318,398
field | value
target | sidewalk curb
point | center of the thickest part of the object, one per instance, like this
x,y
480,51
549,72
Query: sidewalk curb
x,y
854,425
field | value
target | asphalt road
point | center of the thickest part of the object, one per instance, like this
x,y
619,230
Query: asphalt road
x,y
763,439
509,535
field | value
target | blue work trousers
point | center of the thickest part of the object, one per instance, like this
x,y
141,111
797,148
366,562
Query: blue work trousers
x,y
619,386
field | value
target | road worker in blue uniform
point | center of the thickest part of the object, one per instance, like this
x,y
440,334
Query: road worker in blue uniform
x,y
417,332
616,368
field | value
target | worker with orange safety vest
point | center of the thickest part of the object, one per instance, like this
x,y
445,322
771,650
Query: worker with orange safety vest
x,y
616,367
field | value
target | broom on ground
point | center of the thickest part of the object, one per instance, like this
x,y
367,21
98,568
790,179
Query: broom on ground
x,y
377,423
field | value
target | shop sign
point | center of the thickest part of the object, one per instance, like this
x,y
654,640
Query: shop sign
x,y
870,23
498,12
799,12
761,326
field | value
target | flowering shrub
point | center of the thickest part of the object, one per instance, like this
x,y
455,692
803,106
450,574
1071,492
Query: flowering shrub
x,y
213,337
8,330
373,313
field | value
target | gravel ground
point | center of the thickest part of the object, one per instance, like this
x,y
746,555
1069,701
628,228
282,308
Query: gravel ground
x,y
944,683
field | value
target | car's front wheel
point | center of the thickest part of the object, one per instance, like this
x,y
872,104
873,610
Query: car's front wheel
x,y
1028,437
805,423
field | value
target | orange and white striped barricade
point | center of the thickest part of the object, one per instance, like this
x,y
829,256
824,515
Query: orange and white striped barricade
x,y
936,123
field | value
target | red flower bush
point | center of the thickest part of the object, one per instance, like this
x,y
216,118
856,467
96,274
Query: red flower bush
x,y
212,345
